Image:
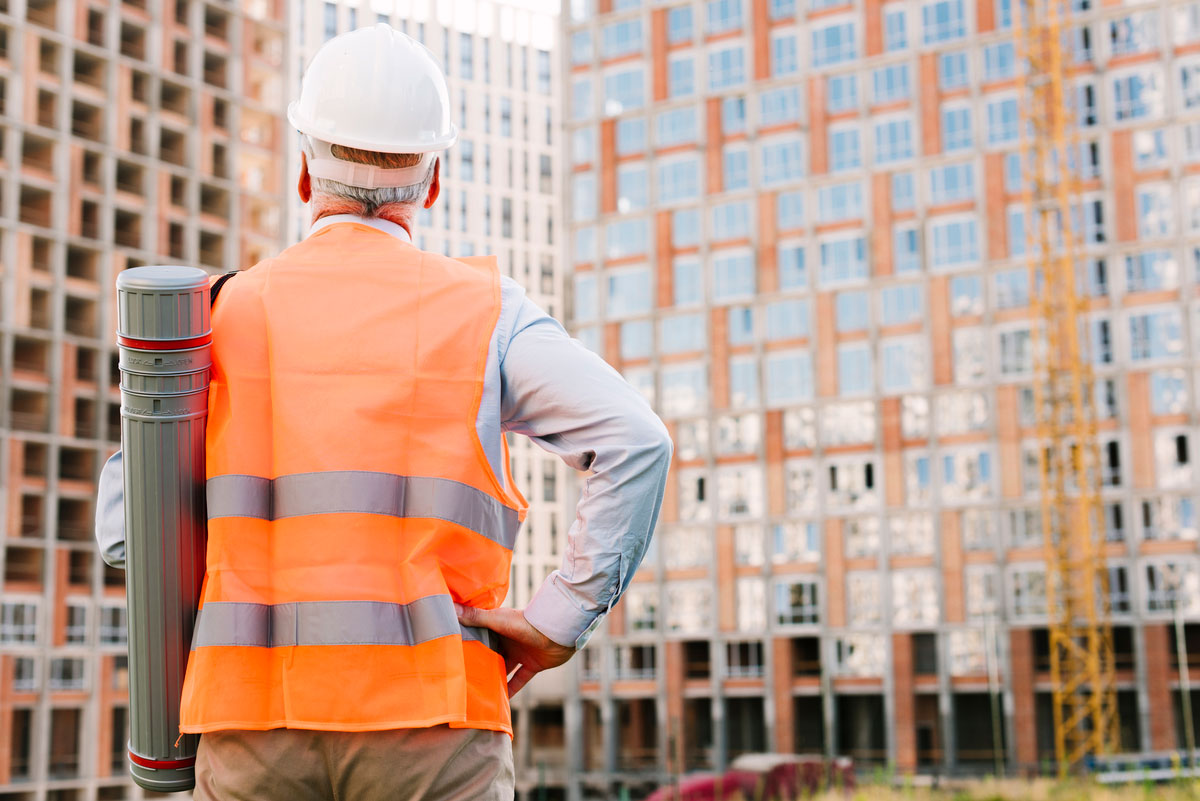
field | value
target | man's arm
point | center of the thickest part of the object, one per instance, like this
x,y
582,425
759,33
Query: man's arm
x,y
110,512
574,405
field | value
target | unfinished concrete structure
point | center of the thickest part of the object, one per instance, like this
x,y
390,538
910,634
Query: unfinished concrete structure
x,y
799,228
134,132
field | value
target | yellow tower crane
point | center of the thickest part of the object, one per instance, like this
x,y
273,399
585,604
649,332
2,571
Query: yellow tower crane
x,y
1077,598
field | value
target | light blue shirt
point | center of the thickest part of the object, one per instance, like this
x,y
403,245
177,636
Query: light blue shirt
x,y
540,382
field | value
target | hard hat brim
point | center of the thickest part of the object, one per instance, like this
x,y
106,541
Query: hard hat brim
x,y
310,127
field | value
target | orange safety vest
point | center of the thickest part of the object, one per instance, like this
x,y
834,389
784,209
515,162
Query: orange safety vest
x,y
350,501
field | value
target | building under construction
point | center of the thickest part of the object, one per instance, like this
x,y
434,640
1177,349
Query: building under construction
x,y
807,232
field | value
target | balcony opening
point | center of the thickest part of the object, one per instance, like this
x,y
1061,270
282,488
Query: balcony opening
x,y
806,656
172,147
3,96
113,423
35,206
697,662
42,12
39,309
924,654
1124,653
127,228
48,57
81,263
181,12
214,200
89,70
220,160
975,741
30,410
808,724
175,240
549,735
92,173
137,137
220,114
746,725
35,461
117,754
37,153
133,41
87,364
861,728
87,122
216,24
33,515
75,520
593,736
637,722
79,567
180,57
20,765
81,316
697,734
65,728
31,355
23,565
173,97
89,219
45,109
178,191
212,249
85,419
130,178
113,576
95,27
3,43
214,70
77,464
139,86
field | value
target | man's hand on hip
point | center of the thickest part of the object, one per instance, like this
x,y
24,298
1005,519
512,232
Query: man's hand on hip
x,y
526,650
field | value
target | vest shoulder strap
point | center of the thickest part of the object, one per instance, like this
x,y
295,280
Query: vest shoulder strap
x,y
216,287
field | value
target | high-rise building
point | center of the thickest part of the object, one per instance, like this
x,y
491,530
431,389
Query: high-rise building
x,y
138,132
500,192
799,229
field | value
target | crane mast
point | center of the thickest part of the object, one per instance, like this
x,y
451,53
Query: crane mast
x,y
1072,516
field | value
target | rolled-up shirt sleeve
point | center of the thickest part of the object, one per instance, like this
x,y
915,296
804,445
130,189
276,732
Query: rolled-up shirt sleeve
x,y
110,512
573,404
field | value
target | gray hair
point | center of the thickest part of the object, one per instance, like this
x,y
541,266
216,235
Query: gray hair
x,y
371,201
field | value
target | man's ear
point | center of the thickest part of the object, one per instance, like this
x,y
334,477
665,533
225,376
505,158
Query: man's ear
x,y
435,185
304,187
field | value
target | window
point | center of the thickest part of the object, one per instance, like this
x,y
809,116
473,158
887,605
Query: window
x,y
684,389
776,107
796,602
331,21
1172,584
1012,288
741,325
731,221
675,127
915,598
860,655
833,44
1028,591
67,674
582,99
726,68
999,62
782,162
1003,120
853,311
685,228
681,78
680,333
113,628
1189,84
689,607
792,271
466,56
1168,392
848,423
795,542
629,292
1016,355
620,38
839,202
583,197
1156,215
637,340
77,624
904,191
1133,33
724,15
1139,95
733,114
632,188
626,238
893,140
844,150
679,24
943,20
748,546
733,277
623,91
641,608
585,245
841,93
906,254
904,364
955,243
863,598
784,57
952,71
952,183
787,319
583,146
1150,149
1155,335
789,377
966,295
966,475
679,180
904,303
956,128
890,84
789,211
781,9
843,260
854,369
687,283
737,168
895,30
1151,270
18,623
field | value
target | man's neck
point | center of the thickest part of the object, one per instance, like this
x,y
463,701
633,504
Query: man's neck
x,y
399,216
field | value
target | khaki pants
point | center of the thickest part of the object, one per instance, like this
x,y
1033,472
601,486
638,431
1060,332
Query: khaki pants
x,y
437,764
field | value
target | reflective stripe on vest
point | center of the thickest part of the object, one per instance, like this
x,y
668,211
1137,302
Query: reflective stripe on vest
x,y
360,492
226,623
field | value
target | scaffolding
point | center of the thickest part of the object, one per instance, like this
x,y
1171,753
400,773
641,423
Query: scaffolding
x,y
1072,521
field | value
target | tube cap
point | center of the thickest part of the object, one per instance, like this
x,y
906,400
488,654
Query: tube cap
x,y
162,303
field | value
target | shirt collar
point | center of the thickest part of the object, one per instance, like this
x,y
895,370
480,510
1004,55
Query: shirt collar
x,y
387,226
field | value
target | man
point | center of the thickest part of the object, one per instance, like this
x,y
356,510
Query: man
x,y
350,642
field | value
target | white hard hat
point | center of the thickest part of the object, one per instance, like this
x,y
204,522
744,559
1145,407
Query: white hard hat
x,y
375,89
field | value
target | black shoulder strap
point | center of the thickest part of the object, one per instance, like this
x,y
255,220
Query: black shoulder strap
x,y
216,287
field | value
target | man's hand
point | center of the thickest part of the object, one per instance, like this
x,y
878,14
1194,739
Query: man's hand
x,y
526,650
